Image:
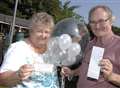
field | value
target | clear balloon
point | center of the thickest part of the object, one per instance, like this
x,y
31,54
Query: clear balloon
x,y
52,42
74,50
68,62
64,41
52,54
75,28
61,51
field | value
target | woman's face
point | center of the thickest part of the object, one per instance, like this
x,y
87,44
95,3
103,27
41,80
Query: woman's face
x,y
40,35
100,23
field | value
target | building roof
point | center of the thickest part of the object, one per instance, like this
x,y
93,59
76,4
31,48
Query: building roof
x,y
6,19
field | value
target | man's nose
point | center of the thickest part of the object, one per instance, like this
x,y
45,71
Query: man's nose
x,y
97,25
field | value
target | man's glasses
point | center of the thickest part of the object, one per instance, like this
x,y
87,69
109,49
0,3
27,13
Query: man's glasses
x,y
100,22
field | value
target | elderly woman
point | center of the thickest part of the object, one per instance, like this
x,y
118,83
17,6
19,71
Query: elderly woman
x,y
23,63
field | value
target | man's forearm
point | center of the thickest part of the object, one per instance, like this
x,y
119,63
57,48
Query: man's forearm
x,y
76,72
115,79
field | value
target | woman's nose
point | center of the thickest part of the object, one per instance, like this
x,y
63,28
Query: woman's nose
x,y
44,35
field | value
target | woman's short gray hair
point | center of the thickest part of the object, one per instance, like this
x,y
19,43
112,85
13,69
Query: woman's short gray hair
x,y
42,18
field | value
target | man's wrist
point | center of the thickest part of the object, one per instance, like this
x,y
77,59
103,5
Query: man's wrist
x,y
112,77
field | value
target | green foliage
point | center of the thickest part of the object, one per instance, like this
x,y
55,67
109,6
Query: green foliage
x,y
26,8
116,30
4,8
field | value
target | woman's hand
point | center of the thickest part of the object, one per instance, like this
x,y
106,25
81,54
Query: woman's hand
x,y
106,68
25,71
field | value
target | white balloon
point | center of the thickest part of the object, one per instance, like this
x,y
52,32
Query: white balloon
x,y
64,41
74,50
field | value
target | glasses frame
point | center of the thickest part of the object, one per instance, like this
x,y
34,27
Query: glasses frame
x,y
100,22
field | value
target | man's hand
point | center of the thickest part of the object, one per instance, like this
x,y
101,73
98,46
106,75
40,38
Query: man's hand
x,y
65,71
106,68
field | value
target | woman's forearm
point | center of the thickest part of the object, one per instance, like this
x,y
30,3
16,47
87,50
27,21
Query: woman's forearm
x,y
9,78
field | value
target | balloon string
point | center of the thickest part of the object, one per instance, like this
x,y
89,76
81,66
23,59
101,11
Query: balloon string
x,y
63,82
69,78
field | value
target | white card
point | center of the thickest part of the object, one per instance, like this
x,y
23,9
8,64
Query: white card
x,y
43,67
94,68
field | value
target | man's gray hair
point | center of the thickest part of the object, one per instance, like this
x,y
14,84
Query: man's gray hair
x,y
105,8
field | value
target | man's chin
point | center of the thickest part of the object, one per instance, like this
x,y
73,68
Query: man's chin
x,y
99,34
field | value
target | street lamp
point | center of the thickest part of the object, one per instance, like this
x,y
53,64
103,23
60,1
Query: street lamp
x,y
13,23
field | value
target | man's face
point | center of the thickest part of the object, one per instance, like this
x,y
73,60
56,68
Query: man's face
x,y
100,23
40,35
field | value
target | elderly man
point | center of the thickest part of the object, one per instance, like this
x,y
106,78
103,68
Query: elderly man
x,y
100,21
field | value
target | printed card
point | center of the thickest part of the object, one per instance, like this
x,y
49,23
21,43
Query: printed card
x,y
94,68
43,67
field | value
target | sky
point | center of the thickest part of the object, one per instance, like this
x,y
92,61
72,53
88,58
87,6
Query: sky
x,y
86,5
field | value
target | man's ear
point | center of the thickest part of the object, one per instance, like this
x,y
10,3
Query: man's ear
x,y
113,18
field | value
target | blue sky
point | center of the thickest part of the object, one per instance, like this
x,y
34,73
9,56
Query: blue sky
x,y
86,5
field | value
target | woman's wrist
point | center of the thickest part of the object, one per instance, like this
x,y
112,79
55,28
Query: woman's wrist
x,y
18,75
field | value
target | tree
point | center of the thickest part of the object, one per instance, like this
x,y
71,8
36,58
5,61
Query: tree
x,y
27,7
116,30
